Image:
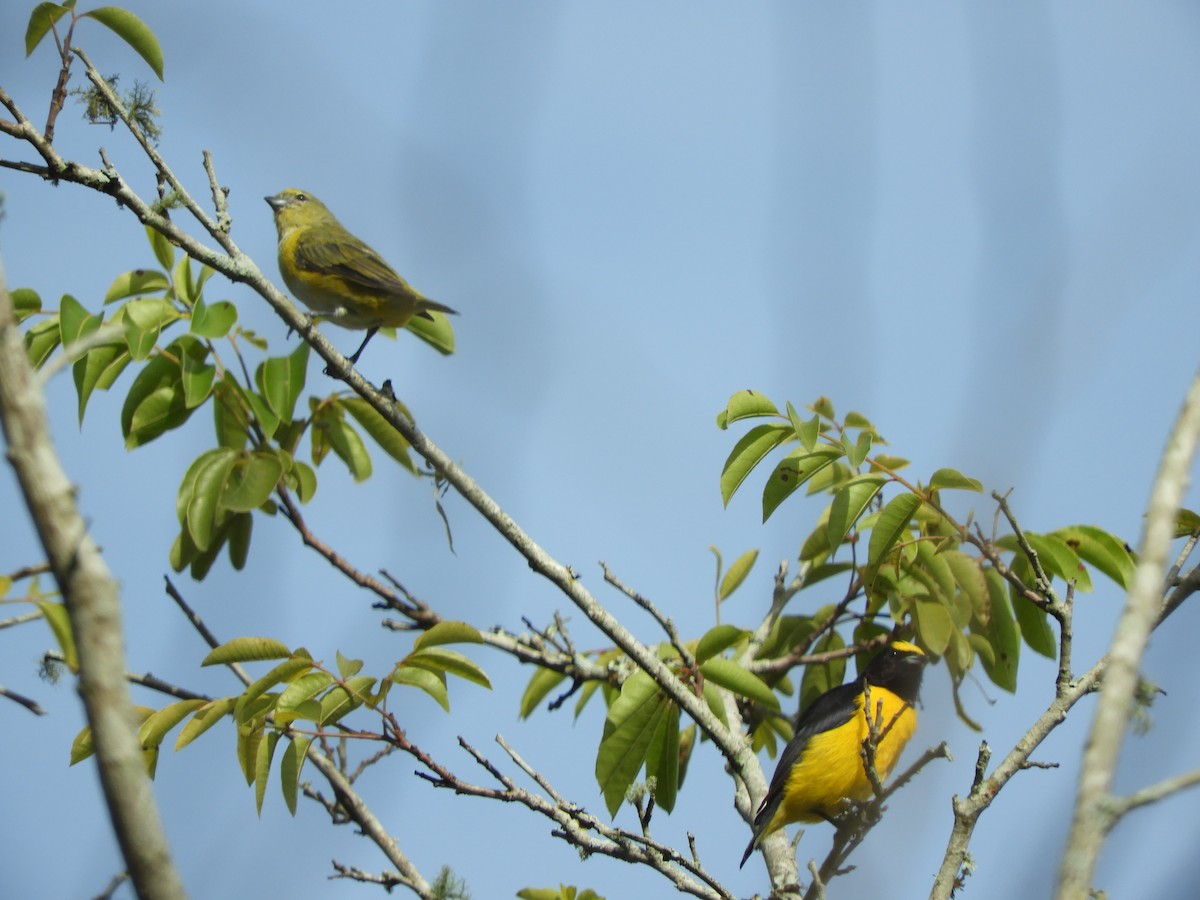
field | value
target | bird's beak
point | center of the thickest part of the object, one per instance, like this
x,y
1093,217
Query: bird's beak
x,y
276,202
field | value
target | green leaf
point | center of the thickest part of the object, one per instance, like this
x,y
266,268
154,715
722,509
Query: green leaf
x,y
437,332
75,322
56,617
204,514
348,668
938,570
262,767
1187,522
132,31
213,320
25,302
952,478
41,339
267,420
1058,559
345,442
1101,549
135,283
155,728
717,640
381,431
794,470
808,430
251,481
344,699
246,649
893,523
745,405
81,747
858,420
729,675
857,451
448,633
432,683
633,718
713,698
747,453
1032,619
1002,635
156,402
164,250
934,624
290,768
303,689
884,462
205,718
144,319
44,15
181,281
437,659
305,480
541,684
849,503
229,416
662,758
968,574
286,671
737,574
197,377
99,367
281,380
823,407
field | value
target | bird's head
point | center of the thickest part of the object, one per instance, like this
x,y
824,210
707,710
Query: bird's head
x,y
898,667
295,208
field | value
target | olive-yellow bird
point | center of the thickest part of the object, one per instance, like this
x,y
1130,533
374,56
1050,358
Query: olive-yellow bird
x,y
822,766
336,275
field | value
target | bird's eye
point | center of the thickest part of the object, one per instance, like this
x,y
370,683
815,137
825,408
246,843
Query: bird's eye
x,y
302,197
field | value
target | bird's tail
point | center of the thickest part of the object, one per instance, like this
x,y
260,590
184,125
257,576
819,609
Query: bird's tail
x,y
425,305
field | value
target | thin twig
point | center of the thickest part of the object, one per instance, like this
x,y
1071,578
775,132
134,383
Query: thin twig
x,y
685,655
20,699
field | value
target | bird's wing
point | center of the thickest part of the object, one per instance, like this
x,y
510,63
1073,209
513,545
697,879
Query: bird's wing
x,y
833,708
345,255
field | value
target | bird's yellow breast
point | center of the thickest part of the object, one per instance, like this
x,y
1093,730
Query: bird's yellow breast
x,y
831,771
339,299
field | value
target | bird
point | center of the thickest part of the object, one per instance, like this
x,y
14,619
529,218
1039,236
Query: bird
x,y
822,767
338,276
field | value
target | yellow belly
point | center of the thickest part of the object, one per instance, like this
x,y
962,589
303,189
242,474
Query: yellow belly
x,y
831,770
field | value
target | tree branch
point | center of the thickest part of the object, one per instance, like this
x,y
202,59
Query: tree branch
x,y
93,605
1142,610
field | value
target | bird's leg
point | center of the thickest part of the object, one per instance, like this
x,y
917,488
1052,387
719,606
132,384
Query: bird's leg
x,y
309,319
357,353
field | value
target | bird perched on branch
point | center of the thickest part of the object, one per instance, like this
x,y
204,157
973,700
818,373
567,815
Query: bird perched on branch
x,y
822,766
336,275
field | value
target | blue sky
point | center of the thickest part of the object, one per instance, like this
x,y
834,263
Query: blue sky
x,y
979,226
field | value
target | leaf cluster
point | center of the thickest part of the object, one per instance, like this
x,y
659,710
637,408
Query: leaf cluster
x,y
296,701
189,353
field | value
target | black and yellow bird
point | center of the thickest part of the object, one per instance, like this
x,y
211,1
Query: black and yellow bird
x,y
822,766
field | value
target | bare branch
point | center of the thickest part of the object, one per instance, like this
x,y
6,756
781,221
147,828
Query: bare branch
x,y
1147,795
576,826
21,700
1142,611
663,622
